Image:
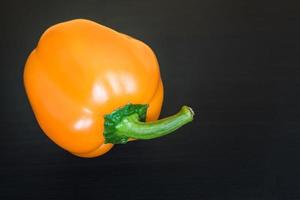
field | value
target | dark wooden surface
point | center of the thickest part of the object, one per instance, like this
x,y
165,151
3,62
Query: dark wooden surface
x,y
235,62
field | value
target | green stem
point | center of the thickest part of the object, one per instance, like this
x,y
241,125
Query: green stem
x,y
131,127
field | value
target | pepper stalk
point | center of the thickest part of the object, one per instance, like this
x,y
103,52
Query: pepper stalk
x,y
129,122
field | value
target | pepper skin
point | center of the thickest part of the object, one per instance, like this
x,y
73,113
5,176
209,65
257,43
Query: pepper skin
x,y
81,71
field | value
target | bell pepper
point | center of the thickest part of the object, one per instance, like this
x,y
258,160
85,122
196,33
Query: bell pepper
x,y
91,87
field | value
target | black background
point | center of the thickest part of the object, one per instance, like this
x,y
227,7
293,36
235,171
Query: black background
x,y
235,62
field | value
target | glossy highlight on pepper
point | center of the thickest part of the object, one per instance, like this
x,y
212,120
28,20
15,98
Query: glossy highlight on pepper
x,y
81,72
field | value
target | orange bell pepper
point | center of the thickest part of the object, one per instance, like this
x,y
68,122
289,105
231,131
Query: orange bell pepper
x,y
91,87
